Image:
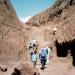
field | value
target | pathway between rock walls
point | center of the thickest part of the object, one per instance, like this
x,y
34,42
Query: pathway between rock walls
x,y
57,66
38,34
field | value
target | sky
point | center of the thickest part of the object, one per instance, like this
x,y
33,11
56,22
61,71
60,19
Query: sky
x,y
25,9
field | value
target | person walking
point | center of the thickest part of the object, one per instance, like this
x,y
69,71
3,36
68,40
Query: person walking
x,y
43,57
34,58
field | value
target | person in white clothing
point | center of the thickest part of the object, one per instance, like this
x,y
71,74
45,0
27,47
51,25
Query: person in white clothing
x,y
33,43
48,50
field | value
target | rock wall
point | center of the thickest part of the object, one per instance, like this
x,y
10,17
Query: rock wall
x,y
12,39
55,14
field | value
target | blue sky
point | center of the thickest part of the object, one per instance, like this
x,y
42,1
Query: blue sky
x,y
27,8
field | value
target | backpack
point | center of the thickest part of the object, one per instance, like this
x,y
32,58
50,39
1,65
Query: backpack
x,y
43,54
46,49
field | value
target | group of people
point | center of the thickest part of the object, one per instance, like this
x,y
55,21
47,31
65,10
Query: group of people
x,y
42,54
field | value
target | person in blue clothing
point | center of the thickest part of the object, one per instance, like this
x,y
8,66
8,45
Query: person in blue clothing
x,y
43,57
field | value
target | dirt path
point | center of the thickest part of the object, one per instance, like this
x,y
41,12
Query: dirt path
x,y
58,66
